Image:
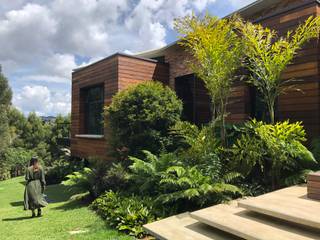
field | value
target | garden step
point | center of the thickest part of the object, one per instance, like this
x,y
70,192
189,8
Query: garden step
x,y
251,225
183,227
293,209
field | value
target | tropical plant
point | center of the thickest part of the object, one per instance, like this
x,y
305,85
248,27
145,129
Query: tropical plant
x,y
276,151
81,181
269,55
146,173
93,179
198,146
139,117
217,54
125,213
188,183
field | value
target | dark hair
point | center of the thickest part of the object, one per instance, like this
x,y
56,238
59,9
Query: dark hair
x,y
33,161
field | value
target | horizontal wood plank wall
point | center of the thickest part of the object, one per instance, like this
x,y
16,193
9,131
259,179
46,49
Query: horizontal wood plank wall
x,y
178,59
116,73
133,71
300,105
104,72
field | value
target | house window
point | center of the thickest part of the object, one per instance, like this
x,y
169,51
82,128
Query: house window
x,y
196,102
93,110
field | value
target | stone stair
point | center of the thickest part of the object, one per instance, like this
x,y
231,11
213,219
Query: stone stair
x,y
286,214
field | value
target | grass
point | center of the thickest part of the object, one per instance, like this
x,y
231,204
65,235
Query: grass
x,y
63,218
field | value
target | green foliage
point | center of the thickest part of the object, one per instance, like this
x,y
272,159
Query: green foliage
x,y
139,118
269,55
190,184
35,131
5,101
146,173
17,159
5,91
92,180
60,129
276,151
199,147
17,124
217,52
63,166
81,181
127,214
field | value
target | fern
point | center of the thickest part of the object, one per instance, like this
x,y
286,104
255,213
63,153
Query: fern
x,y
190,184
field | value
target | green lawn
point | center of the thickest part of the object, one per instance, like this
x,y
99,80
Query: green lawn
x,y
62,219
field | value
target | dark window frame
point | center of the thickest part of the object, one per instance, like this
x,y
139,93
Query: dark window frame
x,y
93,105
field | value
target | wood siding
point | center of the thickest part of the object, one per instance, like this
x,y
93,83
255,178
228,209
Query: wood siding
x,y
300,105
115,73
120,71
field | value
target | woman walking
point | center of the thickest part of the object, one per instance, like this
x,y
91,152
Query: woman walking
x,y
35,184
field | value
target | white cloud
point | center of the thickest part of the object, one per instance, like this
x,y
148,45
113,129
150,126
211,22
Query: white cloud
x,y
43,40
240,3
41,100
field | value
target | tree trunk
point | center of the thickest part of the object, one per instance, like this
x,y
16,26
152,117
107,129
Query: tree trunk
x,y
223,124
271,113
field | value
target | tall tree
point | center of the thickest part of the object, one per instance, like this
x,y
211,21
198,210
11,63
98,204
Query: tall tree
x,y
217,54
35,131
5,101
269,55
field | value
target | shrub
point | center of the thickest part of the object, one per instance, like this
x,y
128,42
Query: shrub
x,y
17,159
62,167
273,151
126,214
93,179
199,147
146,173
195,188
140,117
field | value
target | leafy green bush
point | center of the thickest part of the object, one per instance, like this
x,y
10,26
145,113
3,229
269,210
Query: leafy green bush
x,y
273,151
140,117
127,214
188,183
191,177
62,167
17,159
146,173
199,147
93,179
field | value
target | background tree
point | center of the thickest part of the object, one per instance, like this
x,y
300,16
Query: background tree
x,y
17,124
35,131
217,53
5,102
269,55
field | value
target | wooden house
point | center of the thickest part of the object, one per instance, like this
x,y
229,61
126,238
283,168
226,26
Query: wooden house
x,y
94,85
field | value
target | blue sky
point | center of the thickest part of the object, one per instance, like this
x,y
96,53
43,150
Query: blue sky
x,y
43,40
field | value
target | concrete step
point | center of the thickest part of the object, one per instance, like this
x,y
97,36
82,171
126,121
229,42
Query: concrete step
x,y
296,209
183,227
253,226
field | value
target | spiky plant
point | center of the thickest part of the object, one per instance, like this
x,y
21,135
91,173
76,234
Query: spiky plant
x,y
269,54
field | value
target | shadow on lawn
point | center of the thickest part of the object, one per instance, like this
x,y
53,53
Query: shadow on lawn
x,y
79,202
58,193
16,204
15,219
